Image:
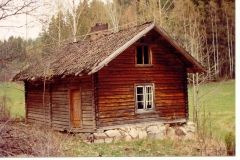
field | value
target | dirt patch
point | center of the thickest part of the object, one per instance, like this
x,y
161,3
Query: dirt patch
x,y
18,139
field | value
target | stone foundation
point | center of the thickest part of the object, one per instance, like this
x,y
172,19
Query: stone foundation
x,y
141,131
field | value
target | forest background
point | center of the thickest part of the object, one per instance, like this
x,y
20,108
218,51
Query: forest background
x,y
205,28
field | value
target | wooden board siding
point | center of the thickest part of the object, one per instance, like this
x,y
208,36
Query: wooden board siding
x,y
116,81
36,112
58,115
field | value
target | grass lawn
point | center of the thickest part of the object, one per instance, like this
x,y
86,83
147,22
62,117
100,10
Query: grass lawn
x,y
15,97
218,101
141,148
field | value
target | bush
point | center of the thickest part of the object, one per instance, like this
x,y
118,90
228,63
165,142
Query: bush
x,y
230,143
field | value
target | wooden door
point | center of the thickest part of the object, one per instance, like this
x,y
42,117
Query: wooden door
x,y
75,108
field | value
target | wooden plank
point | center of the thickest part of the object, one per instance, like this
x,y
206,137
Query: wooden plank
x,y
88,123
87,115
86,112
58,116
38,120
87,119
38,116
62,127
83,130
64,123
47,113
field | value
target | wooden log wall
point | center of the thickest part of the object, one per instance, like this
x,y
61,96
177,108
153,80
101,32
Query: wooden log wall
x,y
116,81
37,104
57,109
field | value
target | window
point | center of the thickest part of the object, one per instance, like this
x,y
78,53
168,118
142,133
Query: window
x,y
143,55
144,97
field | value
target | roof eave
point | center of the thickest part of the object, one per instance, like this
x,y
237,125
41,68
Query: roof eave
x,y
197,67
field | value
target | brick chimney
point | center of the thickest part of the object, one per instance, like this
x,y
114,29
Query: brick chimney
x,y
98,30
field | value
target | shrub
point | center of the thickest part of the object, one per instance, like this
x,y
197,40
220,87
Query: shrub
x,y
230,143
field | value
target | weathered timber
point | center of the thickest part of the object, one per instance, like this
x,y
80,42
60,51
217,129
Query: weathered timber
x,y
116,88
56,105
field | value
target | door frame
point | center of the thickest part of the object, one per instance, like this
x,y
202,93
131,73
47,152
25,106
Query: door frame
x,y
70,89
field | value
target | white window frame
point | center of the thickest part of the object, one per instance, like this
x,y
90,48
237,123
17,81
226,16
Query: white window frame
x,y
145,100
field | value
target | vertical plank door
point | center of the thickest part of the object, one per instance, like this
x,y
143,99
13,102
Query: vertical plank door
x,y
75,108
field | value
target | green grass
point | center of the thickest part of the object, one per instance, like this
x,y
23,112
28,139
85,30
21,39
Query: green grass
x,y
218,101
15,97
141,148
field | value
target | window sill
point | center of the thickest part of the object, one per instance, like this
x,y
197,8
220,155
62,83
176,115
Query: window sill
x,y
145,111
143,65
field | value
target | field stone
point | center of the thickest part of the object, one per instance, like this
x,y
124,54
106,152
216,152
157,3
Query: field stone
x,y
118,137
152,128
85,136
162,130
99,135
112,133
171,133
190,136
161,125
98,141
151,135
125,129
142,134
128,138
133,133
167,126
79,135
144,128
180,131
159,135
123,133
191,124
108,140
190,127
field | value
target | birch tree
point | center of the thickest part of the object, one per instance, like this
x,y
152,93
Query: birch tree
x,y
114,13
228,9
75,9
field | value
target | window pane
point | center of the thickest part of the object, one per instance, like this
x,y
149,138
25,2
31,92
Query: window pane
x,y
139,90
148,89
149,97
149,105
139,97
146,55
140,105
139,55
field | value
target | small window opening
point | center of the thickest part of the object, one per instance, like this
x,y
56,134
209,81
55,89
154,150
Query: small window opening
x,y
143,56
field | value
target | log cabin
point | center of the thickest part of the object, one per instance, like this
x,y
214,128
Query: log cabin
x,y
132,76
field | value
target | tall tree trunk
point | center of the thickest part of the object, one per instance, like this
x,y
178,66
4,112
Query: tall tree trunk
x,y
59,23
213,45
229,47
74,21
216,41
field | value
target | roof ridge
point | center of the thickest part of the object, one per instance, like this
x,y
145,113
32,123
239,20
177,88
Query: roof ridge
x,y
121,30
